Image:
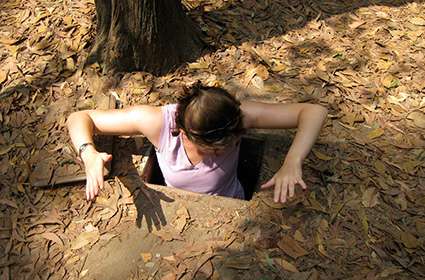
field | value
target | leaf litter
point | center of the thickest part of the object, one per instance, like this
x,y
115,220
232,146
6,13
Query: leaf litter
x,y
362,216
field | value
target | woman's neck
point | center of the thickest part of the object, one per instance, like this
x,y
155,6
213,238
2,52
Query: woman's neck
x,y
192,151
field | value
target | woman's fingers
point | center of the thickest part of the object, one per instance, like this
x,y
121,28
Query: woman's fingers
x,y
291,189
284,191
99,180
303,185
94,172
284,186
91,188
87,188
277,190
269,183
99,184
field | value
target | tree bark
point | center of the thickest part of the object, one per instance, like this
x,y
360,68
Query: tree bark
x,y
148,35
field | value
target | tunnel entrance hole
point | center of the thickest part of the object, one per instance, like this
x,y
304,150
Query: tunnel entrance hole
x,y
249,166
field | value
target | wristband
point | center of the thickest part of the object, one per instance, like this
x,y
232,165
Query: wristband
x,y
83,147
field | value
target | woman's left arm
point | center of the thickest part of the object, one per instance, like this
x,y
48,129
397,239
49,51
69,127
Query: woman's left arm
x,y
307,118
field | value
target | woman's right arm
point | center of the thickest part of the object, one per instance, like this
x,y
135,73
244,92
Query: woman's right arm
x,y
143,119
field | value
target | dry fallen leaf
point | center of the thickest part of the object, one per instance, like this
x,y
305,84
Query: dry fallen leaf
x,y
167,234
3,76
53,237
377,132
169,276
285,265
198,65
388,271
5,149
389,81
291,247
321,155
181,220
370,198
418,118
8,41
257,82
84,239
239,262
420,227
299,236
147,257
409,240
8,202
356,24
262,72
417,21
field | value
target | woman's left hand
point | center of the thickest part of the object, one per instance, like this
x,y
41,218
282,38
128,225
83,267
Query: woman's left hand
x,y
285,180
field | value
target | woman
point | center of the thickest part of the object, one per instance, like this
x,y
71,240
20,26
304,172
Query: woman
x,y
197,140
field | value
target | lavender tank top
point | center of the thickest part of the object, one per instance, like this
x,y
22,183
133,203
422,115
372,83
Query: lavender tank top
x,y
215,175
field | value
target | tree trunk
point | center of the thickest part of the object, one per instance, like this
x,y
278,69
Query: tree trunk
x,y
148,35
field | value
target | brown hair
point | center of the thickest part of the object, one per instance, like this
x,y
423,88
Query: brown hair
x,y
210,116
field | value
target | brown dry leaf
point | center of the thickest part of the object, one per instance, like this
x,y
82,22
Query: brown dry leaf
x,y
320,246
20,188
299,236
270,203
5,149
83,273
377,132
323,75
384,64
409,240
285,265
198,65
257,82
84,239
147,257
278,66
53,237
380,166
67,20
370,198
207,270
262,72
321,155
8,41
256,75
420,227
169,276
3,76
389,81
417,21
182,217
291,247
170,258
167,235
356,24
239,262
107,236
418,118
8,202
70,64
401,200
388,271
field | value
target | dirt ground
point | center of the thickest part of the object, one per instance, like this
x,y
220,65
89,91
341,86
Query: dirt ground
x,y
362,216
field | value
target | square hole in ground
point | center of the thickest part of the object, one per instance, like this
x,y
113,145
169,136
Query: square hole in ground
x,y
249,166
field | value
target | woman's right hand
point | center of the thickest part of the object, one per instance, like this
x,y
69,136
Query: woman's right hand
x,y
94,163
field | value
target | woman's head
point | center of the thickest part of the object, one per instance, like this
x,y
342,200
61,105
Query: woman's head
x,y
209,116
